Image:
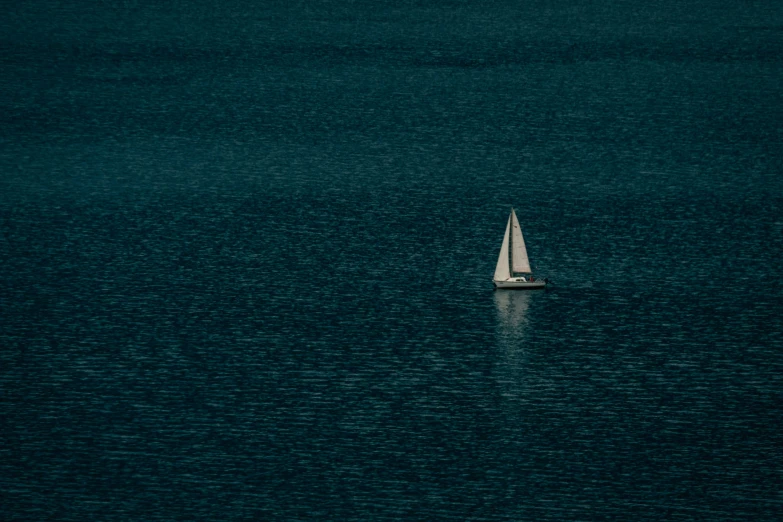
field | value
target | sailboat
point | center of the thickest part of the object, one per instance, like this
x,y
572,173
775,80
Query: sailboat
x,y
510,266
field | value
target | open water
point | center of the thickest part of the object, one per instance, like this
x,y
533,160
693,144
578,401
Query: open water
x,y
246,255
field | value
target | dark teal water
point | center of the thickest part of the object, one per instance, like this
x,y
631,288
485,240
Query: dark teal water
x,y
246,255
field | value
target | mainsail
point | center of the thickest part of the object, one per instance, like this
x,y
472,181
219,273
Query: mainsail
x,y
502,269
518,252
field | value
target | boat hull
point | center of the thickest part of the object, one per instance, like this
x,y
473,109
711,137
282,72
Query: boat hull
x,y
519,285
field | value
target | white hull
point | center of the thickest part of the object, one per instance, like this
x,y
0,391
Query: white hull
x,y
519,284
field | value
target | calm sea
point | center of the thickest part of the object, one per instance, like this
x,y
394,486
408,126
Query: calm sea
x,y
246,252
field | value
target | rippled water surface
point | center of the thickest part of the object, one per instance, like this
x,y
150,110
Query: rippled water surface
x,y
247,255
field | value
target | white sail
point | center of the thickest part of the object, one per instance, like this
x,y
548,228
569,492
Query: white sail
x,y
518,252
502,269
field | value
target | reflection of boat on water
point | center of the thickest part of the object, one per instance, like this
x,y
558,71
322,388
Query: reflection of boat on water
x,y
508,267
511,368
512,310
